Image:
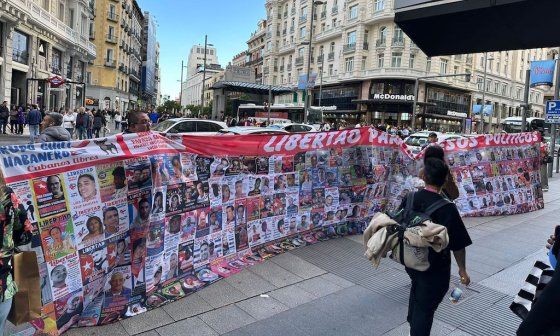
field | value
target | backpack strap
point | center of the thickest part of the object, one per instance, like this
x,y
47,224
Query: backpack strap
x,y
436,206
409,205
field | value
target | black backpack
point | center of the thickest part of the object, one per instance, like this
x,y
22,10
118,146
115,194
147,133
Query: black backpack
x,y
407,217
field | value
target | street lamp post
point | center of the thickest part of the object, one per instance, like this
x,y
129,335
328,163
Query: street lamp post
x,y
203,74
417,83
307,90
481,128
181,94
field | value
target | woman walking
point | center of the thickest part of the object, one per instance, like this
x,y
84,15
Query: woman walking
x,y
98,123
13,119
69,122
21,120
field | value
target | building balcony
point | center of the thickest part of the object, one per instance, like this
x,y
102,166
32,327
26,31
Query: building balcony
x,y
286,48
380,15
328,34
365,46
398,43
350,47
320,58
330,56
110,63
380,43
289,67
299,61
303,19
111,38
112,16
35,14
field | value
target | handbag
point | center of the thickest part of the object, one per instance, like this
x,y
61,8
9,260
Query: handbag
x,y
26,303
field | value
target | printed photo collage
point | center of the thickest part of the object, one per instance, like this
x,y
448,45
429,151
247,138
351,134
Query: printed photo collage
x,y
498,180
116,239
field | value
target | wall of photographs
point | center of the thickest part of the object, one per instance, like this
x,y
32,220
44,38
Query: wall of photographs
x,y
128,223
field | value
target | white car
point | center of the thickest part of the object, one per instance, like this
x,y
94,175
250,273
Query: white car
x,y
417,141
295,128
244,130
190,125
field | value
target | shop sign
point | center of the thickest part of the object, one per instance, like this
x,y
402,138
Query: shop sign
x,y
387,96
457,114
56,81
92,101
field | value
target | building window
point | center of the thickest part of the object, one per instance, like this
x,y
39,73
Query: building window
x,y
479,83
353,12
429,64
109,55
300,52
399,36
380,60
61,12
364,62
302,32
19,47
455,70
268,45
383,34
331,49
56,64
396,60
46,4
349,64
379,5
351,38
443,67
411,61
331,70
304,12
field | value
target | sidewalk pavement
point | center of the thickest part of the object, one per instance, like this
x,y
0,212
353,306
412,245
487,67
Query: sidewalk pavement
x,y
330,288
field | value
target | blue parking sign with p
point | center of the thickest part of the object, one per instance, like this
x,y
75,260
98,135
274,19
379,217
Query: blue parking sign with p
x,y
553,111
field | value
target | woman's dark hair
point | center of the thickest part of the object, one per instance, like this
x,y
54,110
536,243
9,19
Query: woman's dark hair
x,y
434,152
435,171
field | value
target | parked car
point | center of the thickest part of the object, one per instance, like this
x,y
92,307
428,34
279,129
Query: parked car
x,y
244,130
190,125
295,128
417,141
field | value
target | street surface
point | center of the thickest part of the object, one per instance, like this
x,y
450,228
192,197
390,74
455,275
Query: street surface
x,y
330,288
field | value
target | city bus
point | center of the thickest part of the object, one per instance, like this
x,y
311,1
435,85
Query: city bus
x,y
279,114
513,124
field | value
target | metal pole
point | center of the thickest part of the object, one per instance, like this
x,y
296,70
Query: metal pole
x,y
553,135
269,103
414,103
203,75
481,128
526,101
307,91
321,86
181,94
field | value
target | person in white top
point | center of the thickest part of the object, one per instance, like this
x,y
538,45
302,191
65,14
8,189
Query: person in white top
x,y
118,119
69,122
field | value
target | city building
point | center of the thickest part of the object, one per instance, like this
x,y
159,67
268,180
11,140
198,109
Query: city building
x,y
196,58
114,78
191,89
366,67
158,77
150,58
44,52
241,59
256,45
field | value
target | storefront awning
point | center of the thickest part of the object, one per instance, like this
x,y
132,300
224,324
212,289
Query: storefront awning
x,y
443,27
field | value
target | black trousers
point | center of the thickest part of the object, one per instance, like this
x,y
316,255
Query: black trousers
x,y
427,291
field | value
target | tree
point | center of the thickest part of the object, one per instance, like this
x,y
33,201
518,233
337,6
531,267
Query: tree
x,y
170,106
